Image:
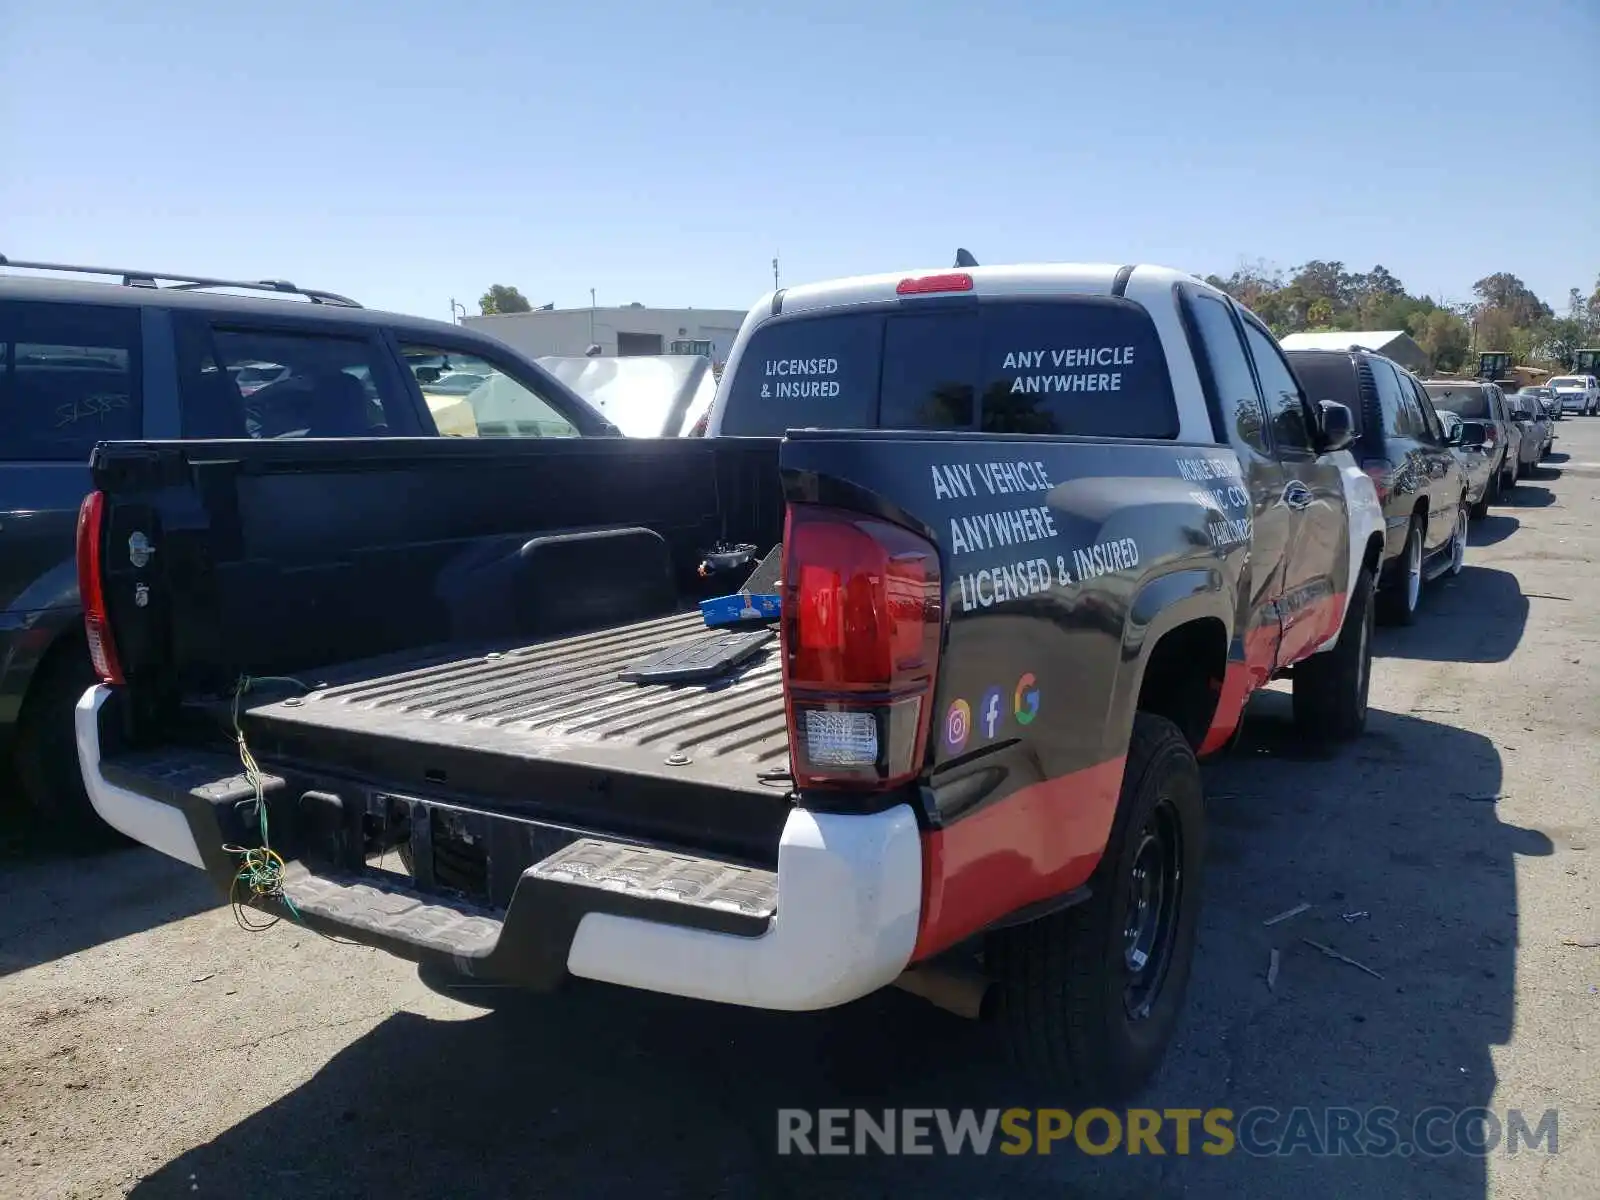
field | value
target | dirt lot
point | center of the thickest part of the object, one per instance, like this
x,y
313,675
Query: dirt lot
x,y
149,1047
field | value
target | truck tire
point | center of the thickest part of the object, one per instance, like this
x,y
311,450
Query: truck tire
x,y
47,753
1397,603
1330,689
1087,998
1480,510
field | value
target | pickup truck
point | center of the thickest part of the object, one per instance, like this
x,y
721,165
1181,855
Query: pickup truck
x,y
1036,532
85,359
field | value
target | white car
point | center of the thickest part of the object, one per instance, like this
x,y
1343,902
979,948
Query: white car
x,y
1576,393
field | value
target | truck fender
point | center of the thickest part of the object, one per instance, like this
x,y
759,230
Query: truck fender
x,y
1364,519
1187,596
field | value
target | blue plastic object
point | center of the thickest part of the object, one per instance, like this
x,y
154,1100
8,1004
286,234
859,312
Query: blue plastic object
x,y
741,606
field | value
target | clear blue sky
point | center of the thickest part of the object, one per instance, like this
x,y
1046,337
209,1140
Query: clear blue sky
x,y
411,151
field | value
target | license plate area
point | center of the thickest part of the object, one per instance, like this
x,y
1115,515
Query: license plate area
x,y
449,850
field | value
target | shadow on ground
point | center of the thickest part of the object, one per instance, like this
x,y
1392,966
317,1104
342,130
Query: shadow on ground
x,y
55,901
1477,616
1492,530
1527,495
600,1092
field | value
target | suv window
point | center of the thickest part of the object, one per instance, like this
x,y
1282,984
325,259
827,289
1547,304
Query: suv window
x,y
69,377
1430,415
470,396
1086,365
261,383
1467,400
1230,371
1399,418
1281,390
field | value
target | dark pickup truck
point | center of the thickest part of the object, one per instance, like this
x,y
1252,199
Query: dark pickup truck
x,y
1023,584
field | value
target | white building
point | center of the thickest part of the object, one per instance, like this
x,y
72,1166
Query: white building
x,y
634,329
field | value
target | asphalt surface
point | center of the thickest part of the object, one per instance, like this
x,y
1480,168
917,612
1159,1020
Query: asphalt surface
x,y
149,1047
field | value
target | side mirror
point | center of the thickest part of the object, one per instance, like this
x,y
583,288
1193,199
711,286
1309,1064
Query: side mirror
x,y
1454,437
1338,426
1473,435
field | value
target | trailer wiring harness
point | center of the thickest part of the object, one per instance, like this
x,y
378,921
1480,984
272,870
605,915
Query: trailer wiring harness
x,y
261,868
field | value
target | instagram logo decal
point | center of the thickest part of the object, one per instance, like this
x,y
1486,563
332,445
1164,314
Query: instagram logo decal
x,y
957,725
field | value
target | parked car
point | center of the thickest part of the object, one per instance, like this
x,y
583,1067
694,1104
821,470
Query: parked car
x,y
1545,398
1538,432
1577,393
1467,441
1402,447
92,360
979,633
1478,400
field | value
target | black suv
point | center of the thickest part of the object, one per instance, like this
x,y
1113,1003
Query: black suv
x,y
1403,448
166,356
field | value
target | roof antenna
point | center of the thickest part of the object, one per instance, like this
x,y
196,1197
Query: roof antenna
x,y
964,258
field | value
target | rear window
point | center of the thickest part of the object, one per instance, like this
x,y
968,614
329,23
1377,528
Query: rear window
x,y
1090,366
1327,376
69,377
1465,401
1566,381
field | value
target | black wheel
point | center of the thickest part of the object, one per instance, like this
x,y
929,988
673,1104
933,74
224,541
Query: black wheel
x,y
47,751
1480,510
1398,599
1330,689
1088,998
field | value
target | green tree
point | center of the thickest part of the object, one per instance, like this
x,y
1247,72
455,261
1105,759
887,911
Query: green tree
x,y
502,298
1561,340
1444,338
1504,291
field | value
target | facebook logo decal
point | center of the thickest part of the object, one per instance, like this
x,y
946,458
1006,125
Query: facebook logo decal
x,y
989,712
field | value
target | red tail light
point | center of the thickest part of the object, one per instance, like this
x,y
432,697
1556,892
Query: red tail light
x,y
955,281
862,621
91,589
1490,435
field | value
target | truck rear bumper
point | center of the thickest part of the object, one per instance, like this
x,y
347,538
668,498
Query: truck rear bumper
x,y
837,920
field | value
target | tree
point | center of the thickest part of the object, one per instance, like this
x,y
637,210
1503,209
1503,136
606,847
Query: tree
x,y
1444,338
1504,291
501,298
1562,339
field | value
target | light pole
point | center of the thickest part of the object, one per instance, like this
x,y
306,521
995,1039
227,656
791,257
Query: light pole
x,y
591,316
455,308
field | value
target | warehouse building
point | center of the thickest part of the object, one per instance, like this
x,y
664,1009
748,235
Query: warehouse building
x,y
631,330
1395,344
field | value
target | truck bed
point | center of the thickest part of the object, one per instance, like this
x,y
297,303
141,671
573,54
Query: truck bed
x,y
557,701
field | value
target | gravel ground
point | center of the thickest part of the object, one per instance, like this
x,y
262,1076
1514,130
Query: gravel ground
x,y
149,1047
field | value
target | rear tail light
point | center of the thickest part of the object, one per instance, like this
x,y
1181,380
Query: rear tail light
x,y
862,622
1490,436
1379,473
923,285
91,589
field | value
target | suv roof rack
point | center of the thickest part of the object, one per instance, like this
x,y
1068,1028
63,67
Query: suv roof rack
x,y
150,279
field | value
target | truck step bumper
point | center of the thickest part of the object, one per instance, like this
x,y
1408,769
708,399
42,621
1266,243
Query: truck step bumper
x,y
836,920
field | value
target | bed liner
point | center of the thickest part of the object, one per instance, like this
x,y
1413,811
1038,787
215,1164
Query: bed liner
x,y
559,701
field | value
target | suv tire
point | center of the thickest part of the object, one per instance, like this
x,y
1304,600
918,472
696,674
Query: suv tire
x,y
1398,602
1330,689
1071,1003
47,752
